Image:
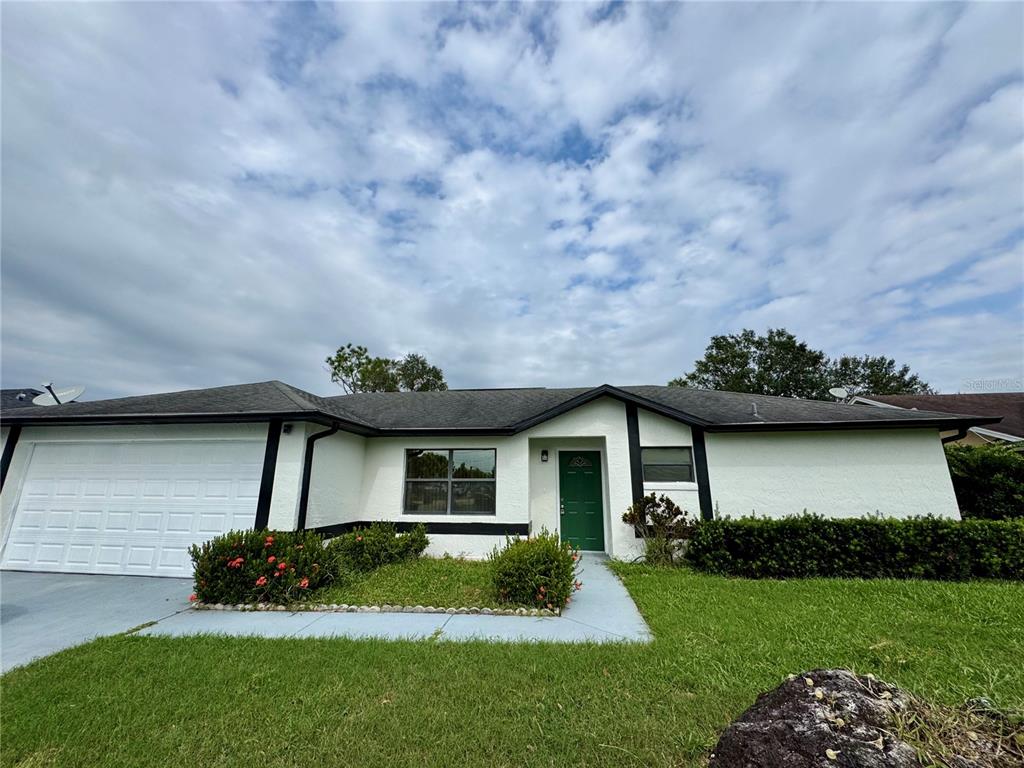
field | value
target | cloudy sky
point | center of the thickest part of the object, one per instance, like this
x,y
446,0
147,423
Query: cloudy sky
x,y
204,194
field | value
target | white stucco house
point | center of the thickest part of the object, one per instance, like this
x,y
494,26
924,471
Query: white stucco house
x,y
126,485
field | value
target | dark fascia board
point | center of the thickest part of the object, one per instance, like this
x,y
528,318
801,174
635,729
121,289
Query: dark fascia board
x,y
187,418
820,426
607,390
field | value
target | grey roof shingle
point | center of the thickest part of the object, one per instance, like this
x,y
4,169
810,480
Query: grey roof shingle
x,y
454,408
265,397
9,398
479,410
1008,405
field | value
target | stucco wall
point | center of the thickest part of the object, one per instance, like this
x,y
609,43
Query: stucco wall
x,y
30,436
656,431
526,488
383,486
602,421
898,473
335,490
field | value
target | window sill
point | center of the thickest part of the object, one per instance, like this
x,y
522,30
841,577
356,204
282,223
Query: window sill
x,y
448,515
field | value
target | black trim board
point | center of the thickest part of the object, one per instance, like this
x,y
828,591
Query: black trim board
x,y
269,469
307,473
404,526
700,467
636,469
826,426
8,454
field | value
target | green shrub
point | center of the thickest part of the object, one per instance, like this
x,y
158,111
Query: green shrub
x,y
259,567
874,547
988,480
366,549
539,571
662,525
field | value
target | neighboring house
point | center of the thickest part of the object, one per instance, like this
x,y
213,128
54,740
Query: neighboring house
x,y
17,398
1006,406
126,485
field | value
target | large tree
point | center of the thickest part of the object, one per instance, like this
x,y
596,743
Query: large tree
x,y
778,363
353,369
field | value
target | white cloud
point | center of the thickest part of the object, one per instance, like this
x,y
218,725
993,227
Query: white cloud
x,y
526,194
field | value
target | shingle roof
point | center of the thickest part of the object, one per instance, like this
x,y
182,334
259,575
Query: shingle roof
x,y
454,408
262,398
1008,405
479,410
9,398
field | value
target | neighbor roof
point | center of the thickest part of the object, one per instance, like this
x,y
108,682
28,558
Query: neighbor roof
x,y
1007,405
480,411
17,398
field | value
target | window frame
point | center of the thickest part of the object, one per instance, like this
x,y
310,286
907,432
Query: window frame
x,y
451,480
691,465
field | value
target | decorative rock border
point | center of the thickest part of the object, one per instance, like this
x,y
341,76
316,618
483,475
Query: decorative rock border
x,y
342,608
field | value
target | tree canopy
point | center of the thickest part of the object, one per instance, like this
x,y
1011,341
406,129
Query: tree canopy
x,y
778,363
355,370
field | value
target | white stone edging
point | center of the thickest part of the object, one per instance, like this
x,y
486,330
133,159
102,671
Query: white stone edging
x,y
342,608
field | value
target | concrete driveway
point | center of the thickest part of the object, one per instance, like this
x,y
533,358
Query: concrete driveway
x,y
42,613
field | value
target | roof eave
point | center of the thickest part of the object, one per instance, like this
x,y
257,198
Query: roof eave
x,y
810,426
244,417
607,390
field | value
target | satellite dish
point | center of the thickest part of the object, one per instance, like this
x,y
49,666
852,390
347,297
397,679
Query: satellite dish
x,y
839,393
57,396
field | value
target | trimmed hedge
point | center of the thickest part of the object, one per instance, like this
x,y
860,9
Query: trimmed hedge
x,y
810,545
988,480
259,566
539,571
366,549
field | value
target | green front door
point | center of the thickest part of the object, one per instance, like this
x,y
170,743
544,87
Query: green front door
x,y
582,513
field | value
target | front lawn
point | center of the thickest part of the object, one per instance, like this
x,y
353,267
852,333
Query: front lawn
x,y
719,642
445,582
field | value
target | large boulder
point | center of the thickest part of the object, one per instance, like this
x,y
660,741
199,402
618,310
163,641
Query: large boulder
x,y
821,719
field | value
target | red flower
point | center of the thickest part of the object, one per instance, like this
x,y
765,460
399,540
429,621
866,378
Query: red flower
x,y
359,538
268,541
271,559
282,566
304,584
192,598
579,584
261,581
543,590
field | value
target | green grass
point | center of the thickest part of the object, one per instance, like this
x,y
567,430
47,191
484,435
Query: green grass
x,y
440,582
719,642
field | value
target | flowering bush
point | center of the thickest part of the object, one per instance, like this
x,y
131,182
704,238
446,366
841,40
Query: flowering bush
x,y
540,571
260,567
366,549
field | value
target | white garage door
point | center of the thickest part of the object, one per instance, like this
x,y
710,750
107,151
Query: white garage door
x,y
130,507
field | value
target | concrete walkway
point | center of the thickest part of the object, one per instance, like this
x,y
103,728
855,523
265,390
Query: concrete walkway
x,y
601,612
